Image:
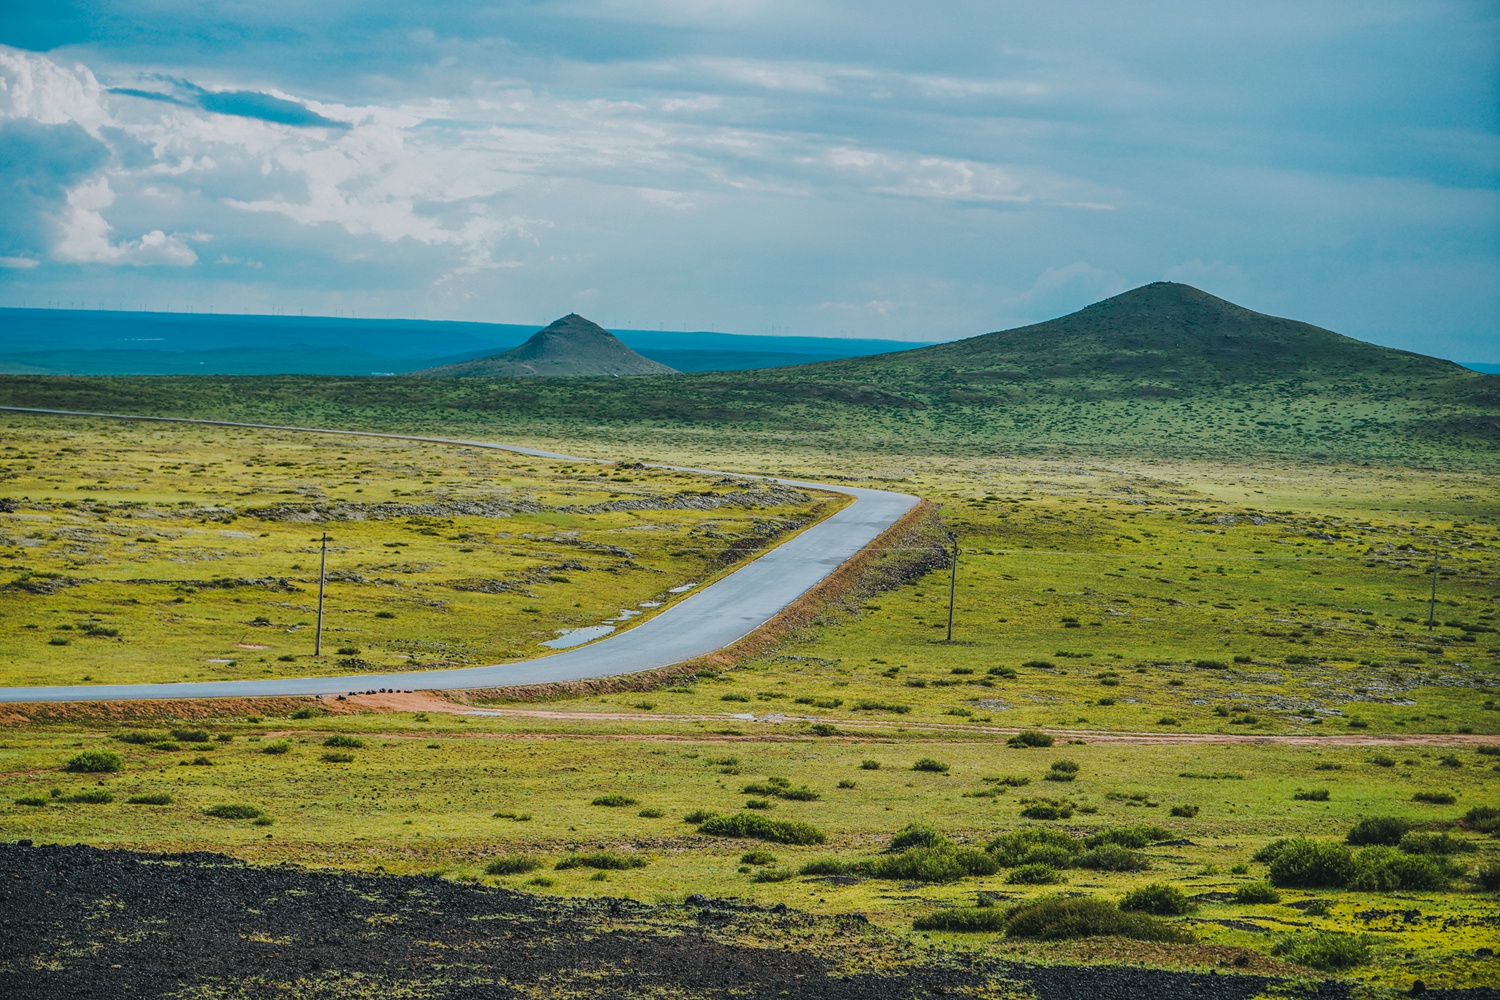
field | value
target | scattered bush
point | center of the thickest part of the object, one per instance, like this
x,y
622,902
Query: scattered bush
x,y
344,742
1062,770
823,729
1159,899
137,737
1482,819
338,758
278,747
1186,812
1135,837
757,858
1029,738
31,800
1060,919
698,816
651,814
614,801
1045,810
1325,950
1256,892
602,860
1034,874
734,697
1381,869
1487,877
846,783
1435,798
869,765
944,863
916,835
928,764
1387,830
819,702
1383,760
89,796
1434,843
755,827
772,875
512,864
154,799
1313,795
963,919
1309,864
191,735
1010,780
1113,858
866,705
95,762
308,713
228,811
1008,673
1039,664
760,804
829,866
1035,844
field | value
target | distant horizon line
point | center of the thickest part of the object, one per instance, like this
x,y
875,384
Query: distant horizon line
x,y
461,322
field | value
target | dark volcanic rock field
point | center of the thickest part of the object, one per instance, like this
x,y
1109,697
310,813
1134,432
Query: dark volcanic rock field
x,y
80,922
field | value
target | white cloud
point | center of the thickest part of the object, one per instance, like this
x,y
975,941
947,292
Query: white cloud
x,y
18,263
86,236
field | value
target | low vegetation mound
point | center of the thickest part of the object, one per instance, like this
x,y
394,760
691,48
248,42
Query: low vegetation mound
x,y
756,827
1061,919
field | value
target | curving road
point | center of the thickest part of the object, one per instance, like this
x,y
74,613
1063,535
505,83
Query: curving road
x,y
714,617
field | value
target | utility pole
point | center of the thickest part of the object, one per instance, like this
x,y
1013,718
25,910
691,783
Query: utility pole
x,y
952,584
1432,601
322,579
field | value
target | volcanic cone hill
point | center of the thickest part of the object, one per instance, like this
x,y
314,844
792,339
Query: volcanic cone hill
x,y
569,346
1162,340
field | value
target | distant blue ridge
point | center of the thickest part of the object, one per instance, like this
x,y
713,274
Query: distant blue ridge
x,y
105,342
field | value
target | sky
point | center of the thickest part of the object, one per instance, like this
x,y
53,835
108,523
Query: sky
x,y
806,167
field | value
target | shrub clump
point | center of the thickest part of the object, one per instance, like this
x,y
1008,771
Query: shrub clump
x,y
1034,874
829,866
1387,830
1158,899
614,801
1113,858
89,796
344,742
1308,864
1256,892
1035,845
95,762
602,861
1312,795
917,835
232,811
1060,919
945,863
1325,950
1481,819
153,799
512,864
1134,837
963,919
755,827
928,764
1047,810
279,747
1029,738
191,735
1435,798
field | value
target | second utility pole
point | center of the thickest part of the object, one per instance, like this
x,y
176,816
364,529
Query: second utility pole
x,y
952,584
322,578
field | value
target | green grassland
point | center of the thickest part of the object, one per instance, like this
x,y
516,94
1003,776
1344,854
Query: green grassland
x,y
1250,599
1164,370
453,794
136,552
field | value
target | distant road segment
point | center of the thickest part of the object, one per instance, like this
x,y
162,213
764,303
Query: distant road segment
x,y
715,617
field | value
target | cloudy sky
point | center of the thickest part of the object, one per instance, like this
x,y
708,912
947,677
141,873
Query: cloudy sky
x,y
813,167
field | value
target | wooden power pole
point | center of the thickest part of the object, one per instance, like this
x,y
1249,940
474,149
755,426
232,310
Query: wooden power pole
x,y
322,580
952,584
1432,601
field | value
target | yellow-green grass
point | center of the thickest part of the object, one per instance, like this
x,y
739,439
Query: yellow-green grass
x,y
136,552
1191,600
422,795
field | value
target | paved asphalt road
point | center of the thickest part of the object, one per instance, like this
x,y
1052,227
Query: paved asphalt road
x,y
710,619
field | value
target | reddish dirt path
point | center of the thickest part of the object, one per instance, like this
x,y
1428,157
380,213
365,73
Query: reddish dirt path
x,y
422,701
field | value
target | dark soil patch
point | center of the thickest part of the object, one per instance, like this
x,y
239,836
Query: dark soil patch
x,y
85,923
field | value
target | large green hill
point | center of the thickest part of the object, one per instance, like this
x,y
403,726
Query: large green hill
x,y
1165,369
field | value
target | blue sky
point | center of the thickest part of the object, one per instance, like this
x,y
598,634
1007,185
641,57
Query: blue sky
x,y
869,169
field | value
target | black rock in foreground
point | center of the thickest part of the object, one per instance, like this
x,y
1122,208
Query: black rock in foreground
x,y
80,922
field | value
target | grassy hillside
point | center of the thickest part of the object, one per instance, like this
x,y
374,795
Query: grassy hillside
x,y
1164,369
